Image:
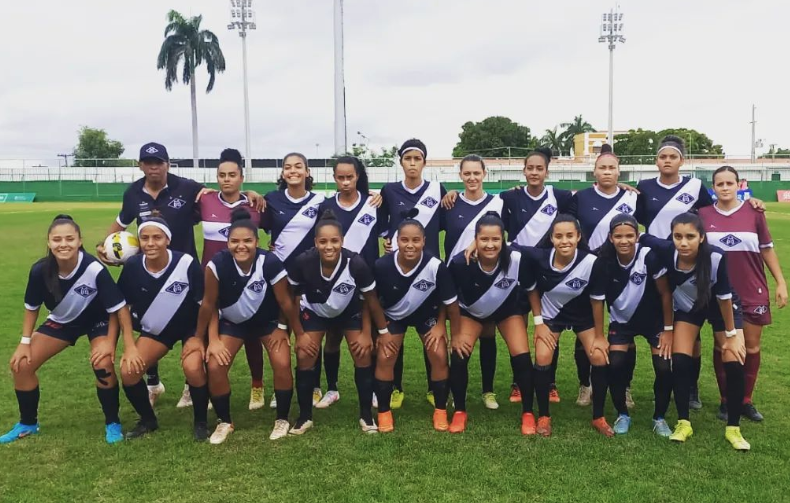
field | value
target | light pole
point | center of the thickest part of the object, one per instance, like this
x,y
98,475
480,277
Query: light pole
x,y
340,86
754,138
612,33
242,17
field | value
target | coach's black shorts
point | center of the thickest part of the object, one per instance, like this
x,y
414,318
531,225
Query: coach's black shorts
x,y
70,332
622,334
350,319
712,315
247,330
171,337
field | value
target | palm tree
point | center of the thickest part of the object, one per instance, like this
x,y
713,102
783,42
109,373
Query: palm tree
x,y
579,125
185,43
553,140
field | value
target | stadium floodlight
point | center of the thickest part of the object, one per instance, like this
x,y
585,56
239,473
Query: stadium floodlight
x,y
242,17
612,34
340,86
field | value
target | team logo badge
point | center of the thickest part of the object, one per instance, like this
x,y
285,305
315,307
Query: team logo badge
x,y
760,309
310,212
366,219
685,198
343,288
638,278
624,208
423,285
504,283
576,284
84,291
429,202
256,286
177,287
549,210
152,150
225,231
730,240
430,322
176,203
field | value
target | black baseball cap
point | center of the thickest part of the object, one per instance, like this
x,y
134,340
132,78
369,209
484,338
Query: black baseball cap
x,y
153,150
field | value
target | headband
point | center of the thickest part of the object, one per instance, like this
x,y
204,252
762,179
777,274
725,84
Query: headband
x,y
418,149
158,225
623,219
673,146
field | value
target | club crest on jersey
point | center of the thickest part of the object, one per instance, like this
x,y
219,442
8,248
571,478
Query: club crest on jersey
x,y
310,212
225,231
576,283
685,198
84,291
638,278
423,285
730,240
177,287
366,219
176,203
624,208
256,286
760,309
549,210
343,289
429,202
504,283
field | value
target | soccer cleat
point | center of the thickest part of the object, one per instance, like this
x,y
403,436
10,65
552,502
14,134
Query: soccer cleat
x,y
554,395
331,397
221,433
301,427
113,433
141,429
316,396
396,401
736,440
459,422
257,400
185,400
629,400
273,403
515,394
602,427
159,389
200,432
430,398
751,413
19,431
528,424
544,426
440,420
622,424
585,396
661,428
694,401
682,431
369,428
489,400
375,401
280,429
386,422
722,412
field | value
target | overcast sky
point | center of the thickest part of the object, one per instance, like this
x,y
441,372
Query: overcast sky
x,y
413,68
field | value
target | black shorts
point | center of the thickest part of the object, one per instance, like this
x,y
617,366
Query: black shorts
x,y
350,319
621,334
558,328
420,324
506,310
170,338
712,315
71,332
247,330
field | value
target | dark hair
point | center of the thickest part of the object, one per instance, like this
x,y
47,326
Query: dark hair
x,y
363,185
409,218
49,263
723,169
559,219
155,216
703,267
671,140
606,149
544,152
607,251
472,158
492,219
241,219
234,156
328,218
308,181
413,143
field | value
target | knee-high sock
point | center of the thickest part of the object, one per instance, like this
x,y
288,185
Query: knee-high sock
x,y
631,365
109,399
582,364
440,391
618,379
305,382
459,380
383,393
222,407
254,352
487,363
398,370
332,369
695,371
317,369
284,397
750,369
735,385
599,386
555,358
522,365
427,367
28,405
138,396
721,376
200,402
682,373
542,375
662,386
363,378
152,375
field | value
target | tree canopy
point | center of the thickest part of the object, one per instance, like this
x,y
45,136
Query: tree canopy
x,y
93,144
494,137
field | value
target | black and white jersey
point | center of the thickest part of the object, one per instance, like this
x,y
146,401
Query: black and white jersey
x,y
416,292
165,302
362,225
481,293
460,221
566,293
247,297
88,293
595,210
684,285
291,222
426,198
529,218
330,297
658,204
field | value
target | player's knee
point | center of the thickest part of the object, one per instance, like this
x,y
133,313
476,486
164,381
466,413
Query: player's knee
x,y
215,369
598,360
105,374
617,360
194,368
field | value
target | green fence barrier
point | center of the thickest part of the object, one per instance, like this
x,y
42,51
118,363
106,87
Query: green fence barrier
x,y
17,197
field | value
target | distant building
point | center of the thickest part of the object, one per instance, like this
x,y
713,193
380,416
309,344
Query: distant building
x,y
586,145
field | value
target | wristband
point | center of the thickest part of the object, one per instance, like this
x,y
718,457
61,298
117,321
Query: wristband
x,y
25,340
669,328
282,327
538,320
384,330
730,333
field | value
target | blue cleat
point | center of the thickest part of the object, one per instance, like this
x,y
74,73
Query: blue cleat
x,y
661,428
19,431
113,433
622,424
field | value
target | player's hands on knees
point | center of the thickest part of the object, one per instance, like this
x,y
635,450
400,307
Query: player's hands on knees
x,y
387,345
461,347
665,345
543,335
279,339
361,348
600,344
219,352
193,345
307,346
435,338
735,345
131,361
22,356
101,351
448,201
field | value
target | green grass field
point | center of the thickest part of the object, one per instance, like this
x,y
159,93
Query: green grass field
x,y
69,460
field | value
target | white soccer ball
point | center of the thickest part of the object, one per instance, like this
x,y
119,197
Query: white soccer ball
x,y
119,246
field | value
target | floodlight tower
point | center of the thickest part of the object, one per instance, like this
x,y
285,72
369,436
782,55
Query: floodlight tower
x,y
242,17
340,86
611,33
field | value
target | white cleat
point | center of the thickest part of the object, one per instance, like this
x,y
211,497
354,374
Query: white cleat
x,y
257,400
280,430
585,396
375,401
331,397
316,396
368,428
301,429
221,433
186,399
155,391
273,403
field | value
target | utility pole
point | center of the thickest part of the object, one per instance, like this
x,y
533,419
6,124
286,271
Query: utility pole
x,y
754,137
66,158
340,86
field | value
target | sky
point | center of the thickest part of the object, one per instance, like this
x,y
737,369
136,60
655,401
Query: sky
x,y
413,68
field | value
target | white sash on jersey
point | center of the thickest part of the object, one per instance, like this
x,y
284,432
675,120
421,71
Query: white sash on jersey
x,y
426,212
81,294
624,307
492,300
216,231
468,235
601,231
251,297
342,294
421,287
294,231
169,299
659,227
358,233
554,300
539,224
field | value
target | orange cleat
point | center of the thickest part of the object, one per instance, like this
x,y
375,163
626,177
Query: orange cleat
x,y
544,426
515,394
440,420
459,422
603,427
386,423
554,395
528,424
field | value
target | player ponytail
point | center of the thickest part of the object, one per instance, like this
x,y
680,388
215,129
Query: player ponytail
x,y
606,150
240,219
542,152
363,186
49,263
328,218
564,218
410,218
492,219
702,269
308,181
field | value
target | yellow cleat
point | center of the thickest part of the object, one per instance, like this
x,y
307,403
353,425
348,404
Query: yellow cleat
x,y
734,437
396,401
682,431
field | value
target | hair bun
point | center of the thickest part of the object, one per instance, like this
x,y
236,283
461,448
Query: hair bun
x,y
410,214
63,216
492,214
545,151
239,214
328,215
673,138
606,149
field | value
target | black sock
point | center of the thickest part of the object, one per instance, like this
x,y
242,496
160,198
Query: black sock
x,y
459,380
109,398
662,386
199,403
542,375
487,363
152,375
332,369
582,364
440,391
28,406
695,371
631,362
363,378
398,382
599,386
618,375
522,364
304,393
427,367
138,397
681,382
222,407
317,370
736,382
555,358
284,397
383,394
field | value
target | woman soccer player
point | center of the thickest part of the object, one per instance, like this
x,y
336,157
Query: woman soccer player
x,y
82,299
568,296
163,289
488,292
636,291
416,290
742,232
246,285
331,281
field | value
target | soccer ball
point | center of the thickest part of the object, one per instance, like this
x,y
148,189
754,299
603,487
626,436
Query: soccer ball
x,y
119,246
